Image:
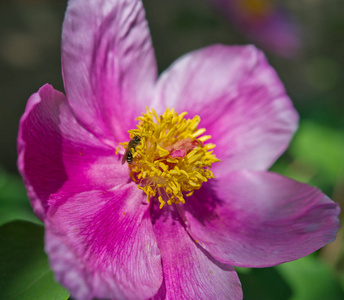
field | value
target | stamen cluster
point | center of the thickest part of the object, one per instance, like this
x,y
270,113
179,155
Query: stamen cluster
x,y
171,159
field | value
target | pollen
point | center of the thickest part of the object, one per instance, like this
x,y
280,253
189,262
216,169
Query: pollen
x,y
170,158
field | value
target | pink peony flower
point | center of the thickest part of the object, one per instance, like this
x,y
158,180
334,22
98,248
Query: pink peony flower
x,y
103,239
265,22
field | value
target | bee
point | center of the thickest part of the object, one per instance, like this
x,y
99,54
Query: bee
x,y
128,155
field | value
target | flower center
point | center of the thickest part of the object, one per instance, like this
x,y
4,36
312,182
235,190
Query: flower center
x,y
167,157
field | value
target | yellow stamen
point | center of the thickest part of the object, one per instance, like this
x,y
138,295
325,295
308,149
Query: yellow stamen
x,y
170,160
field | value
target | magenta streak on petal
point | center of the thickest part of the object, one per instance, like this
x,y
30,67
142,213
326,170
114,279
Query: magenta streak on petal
x,y
101,245
260,219
245,108
108,64
189,271
57,156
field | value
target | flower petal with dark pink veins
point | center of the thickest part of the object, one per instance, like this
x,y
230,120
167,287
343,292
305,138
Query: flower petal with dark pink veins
x,y
108,65
57,156
245,107
101,245
189,271
260,219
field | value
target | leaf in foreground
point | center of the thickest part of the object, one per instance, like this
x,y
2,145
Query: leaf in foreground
x,y
24,270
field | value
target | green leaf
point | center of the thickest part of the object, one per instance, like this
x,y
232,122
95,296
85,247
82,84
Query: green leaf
x,y
311,279
24,270
14,204
315,156
321,149
263,284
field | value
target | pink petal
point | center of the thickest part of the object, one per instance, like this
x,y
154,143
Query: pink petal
x,y
108,65
57,156
260,219
101,245
241,102
189,271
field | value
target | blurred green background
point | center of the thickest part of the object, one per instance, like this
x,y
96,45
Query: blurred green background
x,y
314,78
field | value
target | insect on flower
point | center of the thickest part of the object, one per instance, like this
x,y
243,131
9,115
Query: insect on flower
x,y
128,155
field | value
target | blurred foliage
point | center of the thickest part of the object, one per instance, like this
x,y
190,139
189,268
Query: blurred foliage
x,y
320,150
14,204
24,270
315,156
311,279
264,284
307,278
